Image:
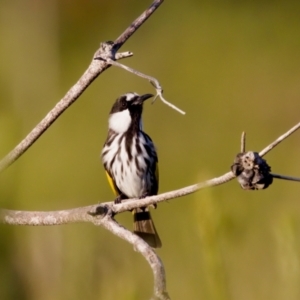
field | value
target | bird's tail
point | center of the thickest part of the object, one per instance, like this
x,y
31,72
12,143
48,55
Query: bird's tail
x,y
144,227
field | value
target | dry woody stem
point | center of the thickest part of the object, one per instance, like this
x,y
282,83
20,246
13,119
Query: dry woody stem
x,y
103,214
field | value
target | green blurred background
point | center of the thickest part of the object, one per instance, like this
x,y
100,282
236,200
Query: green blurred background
x,y
232,66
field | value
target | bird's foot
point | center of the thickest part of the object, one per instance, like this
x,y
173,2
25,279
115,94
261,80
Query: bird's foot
x,y
119,199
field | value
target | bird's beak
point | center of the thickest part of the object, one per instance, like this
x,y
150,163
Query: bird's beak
x,y
142,98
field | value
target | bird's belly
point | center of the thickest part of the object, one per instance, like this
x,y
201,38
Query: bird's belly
x,y
133,185
130,169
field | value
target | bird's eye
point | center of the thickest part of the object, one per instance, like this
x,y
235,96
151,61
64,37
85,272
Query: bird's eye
x,y
124,104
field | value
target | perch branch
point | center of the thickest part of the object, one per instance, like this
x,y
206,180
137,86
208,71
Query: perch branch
x,y
107,51
80,214
83,214
46,218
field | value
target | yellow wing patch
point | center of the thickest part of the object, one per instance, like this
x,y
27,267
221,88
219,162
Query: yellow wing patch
x,y
112,184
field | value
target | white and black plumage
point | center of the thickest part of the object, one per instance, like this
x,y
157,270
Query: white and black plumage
x,y
130,160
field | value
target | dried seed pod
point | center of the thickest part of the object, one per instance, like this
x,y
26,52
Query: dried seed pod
x,y
252,171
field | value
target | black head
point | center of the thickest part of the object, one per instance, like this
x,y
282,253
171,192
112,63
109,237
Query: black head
x,y
127,111
130,101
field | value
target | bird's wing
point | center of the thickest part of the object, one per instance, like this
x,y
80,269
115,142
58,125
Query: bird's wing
x,y
112,183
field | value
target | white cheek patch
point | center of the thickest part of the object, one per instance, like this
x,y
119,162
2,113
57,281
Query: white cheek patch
x,y
119,122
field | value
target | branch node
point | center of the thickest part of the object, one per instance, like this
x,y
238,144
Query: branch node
x,y
100,211
122,55
105,51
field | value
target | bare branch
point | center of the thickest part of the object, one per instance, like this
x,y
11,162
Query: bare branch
x,y
122,55
107,51
95,68
103,217
46,218
132,203
279,140
85,214
153,81
290,178
136,24
160,290
98,216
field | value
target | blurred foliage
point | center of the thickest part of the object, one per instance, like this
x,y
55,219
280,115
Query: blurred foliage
x,y
232,66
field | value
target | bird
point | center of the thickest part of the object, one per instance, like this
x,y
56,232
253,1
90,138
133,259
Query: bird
x,y
130,161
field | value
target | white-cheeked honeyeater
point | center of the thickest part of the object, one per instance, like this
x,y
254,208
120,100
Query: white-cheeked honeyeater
x,y
130,161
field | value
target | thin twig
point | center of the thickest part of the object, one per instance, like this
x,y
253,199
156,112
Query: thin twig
x,y
290,178
107,51
243,142
153,81
279,140
122,55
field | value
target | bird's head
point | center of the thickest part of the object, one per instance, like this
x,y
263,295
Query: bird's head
x,y
127,112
